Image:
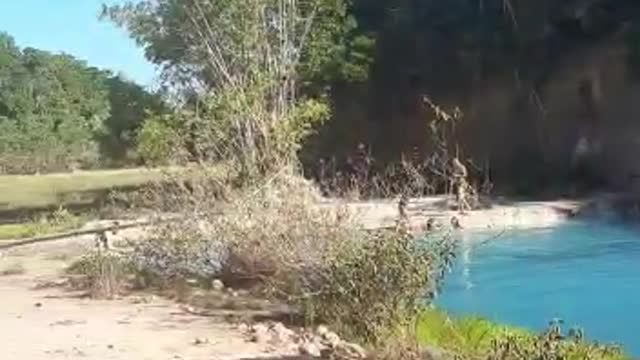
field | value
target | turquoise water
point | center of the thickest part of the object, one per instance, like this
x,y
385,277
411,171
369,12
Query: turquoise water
x,y
587,274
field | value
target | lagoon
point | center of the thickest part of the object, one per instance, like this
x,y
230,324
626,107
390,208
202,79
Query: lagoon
x,y
585,273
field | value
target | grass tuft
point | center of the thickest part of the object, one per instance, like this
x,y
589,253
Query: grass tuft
x,y
60,220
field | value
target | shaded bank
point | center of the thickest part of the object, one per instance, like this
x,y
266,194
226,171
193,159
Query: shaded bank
x,y
549,92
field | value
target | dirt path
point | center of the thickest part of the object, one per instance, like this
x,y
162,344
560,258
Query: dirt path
x,y
39,320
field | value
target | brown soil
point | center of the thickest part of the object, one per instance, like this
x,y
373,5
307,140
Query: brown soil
x,y
41,319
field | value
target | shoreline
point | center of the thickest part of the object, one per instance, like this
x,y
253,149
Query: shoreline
x,y
499,216
522,215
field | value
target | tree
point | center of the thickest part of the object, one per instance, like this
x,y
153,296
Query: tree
x,y
131,105
55,109
256,67
334,49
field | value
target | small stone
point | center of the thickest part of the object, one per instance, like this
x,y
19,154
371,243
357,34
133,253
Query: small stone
x,y
326,353
243,328
110,347
38,305
309,349
349,351
259,333
217,285
332,339
200,341
322,330
282,333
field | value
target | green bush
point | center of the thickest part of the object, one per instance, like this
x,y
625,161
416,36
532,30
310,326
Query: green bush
x,y
378,284
40,144
160,142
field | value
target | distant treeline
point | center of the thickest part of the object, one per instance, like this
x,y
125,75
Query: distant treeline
x,y
58,113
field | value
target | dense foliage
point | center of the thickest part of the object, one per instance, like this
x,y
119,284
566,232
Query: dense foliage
x,y
334,49
57,113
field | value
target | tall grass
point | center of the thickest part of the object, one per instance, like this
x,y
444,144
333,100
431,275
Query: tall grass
x,y
478,338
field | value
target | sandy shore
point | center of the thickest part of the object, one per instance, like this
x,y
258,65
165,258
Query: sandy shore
x,y
374,214
500,216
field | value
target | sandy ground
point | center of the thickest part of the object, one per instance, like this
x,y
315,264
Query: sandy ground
x,y
49,322
499,216
39,319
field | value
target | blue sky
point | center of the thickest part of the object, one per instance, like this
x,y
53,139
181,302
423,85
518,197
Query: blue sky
x,y
72,27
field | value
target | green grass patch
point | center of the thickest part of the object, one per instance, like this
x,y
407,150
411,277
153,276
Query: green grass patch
x,y
468,335
61,220
475,337
39,191
25,192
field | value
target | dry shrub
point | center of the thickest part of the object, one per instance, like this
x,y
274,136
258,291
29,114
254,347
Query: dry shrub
x,y
243,233
276,236
104,275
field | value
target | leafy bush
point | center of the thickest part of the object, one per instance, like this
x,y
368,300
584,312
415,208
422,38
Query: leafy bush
x,y
44,144
159,141
375,286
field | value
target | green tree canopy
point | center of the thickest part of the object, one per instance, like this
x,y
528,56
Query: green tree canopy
x,y
335,49
55,110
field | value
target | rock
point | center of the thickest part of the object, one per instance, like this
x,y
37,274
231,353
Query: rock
x,y
309,349
433,353
38,305
110,347
217,285
200,341
326,353
189,309
144,299
331,339
322,330
259,333
243,328
348,351
282,333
